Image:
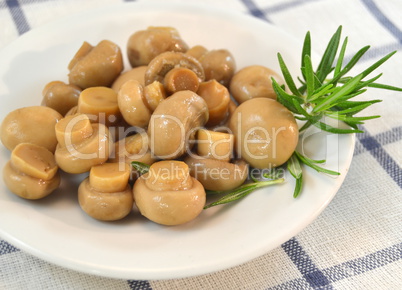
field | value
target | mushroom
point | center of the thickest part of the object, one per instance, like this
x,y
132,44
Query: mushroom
x,y
137,73
173,124
218,64
168,195
217,98
212,166
253,82
163,63
137,103
266,132
32,172
144,45
33,124
106,195
82,144
60,96
96,66
100,104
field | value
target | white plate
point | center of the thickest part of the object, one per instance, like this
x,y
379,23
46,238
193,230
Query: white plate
x,y
56,230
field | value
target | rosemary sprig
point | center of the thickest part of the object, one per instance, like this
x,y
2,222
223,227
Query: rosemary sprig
x,y
327,92
241,191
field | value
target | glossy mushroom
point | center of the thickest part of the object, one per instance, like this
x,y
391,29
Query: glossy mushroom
x,y
253,82
137,103
219,65
106,195
60,96
173,124
163,63
82,144
96,66
212,166
145,45
33,124
266,133
168,195
32,172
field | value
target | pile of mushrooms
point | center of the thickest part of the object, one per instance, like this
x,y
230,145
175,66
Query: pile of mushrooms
x,y
186,112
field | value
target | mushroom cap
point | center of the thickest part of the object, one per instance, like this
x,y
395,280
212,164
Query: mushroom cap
x,y
105,206
253,82
33,124
26,186
266,132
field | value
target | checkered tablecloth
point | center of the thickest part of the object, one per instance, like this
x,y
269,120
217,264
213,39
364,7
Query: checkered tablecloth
x,y
356,243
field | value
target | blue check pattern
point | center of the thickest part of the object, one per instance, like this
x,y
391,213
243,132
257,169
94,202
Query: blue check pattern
x,y
303,264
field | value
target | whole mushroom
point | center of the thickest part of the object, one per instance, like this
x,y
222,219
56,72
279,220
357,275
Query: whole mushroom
x,y
253,82
168,195
60,96
173,124
212,166
82,144
165,62
33,124
106,195
144,45
219,65
266,132
96,66
32,172
136,102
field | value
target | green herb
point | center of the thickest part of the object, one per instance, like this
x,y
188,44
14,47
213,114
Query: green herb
x,y
142,168
241,191
327,92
